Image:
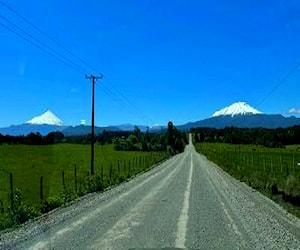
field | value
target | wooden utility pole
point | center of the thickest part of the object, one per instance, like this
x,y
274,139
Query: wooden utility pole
x,y
93,78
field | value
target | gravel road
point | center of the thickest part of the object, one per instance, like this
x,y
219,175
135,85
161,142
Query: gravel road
x,y
186,202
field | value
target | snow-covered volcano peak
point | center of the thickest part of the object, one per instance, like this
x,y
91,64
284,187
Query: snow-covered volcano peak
x,y
47,118
238,108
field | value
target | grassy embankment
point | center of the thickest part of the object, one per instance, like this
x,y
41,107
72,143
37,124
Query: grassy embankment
x,y
273,172
29,163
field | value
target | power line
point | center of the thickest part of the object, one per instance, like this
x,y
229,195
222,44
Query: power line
x,y
279,83
111,94
126,100
46,35
40,47
115,93
122,103
42,44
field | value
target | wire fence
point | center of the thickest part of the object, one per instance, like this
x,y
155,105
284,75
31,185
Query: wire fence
x,y
63,186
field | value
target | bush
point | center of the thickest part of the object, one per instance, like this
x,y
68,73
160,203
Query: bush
x,y
274,189
51,203
21,212
95,183
68,194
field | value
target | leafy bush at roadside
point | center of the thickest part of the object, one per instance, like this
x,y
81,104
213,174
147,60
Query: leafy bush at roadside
x,y
21,212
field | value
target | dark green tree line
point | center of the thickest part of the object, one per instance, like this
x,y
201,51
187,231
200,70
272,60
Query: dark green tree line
x,y
259,136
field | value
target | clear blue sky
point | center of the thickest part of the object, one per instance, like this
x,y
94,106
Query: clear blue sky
x,y
172,60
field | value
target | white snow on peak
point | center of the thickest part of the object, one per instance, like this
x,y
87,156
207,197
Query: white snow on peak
x,y
238,108
47,118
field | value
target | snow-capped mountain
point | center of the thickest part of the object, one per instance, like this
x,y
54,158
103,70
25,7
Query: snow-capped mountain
x,y
242,115
47,118
238,108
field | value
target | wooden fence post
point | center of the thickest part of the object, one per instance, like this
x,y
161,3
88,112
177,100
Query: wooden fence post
x,y
110,172
272,164
63,178
75,177
294,167
11,191
41,189
129,167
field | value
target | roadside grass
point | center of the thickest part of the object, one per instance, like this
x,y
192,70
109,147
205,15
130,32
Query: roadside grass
x,y
274,172
56,164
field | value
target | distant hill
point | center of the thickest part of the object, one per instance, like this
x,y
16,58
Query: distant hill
x,y
25,129
239,114
85,130
244,121
130,127
242,115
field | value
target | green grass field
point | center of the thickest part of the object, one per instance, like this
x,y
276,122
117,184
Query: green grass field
x,y
29,163
274,172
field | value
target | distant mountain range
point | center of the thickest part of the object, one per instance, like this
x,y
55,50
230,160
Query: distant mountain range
x,y
239,114
244,121
242,115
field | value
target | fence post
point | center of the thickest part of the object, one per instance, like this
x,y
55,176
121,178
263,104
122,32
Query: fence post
x,y
129,167
294,164
11,191
75,177
41,189
280,164
63,178
110,172
1,207
272,164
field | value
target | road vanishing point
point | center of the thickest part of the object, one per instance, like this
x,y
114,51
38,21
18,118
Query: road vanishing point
x,y
187,202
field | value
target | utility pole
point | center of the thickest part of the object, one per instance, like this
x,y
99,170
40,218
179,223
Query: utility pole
x,y
93,78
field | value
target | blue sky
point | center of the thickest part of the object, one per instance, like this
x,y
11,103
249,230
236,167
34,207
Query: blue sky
x,y
171,60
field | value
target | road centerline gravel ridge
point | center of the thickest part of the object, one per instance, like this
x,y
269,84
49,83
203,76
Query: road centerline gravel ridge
x,y
185,202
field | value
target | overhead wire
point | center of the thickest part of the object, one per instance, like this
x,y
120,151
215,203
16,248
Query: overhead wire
x,y
40,47
41,44
46,35
113,92
128,102
122,103
289,73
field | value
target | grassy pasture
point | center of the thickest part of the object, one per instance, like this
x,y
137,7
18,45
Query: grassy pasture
x,y
29,163
273,171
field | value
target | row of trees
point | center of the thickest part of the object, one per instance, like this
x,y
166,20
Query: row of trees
x,y
33,138
259,136
172,140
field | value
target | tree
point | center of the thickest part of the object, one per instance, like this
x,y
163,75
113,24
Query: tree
x,y
54,137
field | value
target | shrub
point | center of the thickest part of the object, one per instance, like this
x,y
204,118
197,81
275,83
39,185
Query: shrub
x,y
68,194
21,212
50,204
